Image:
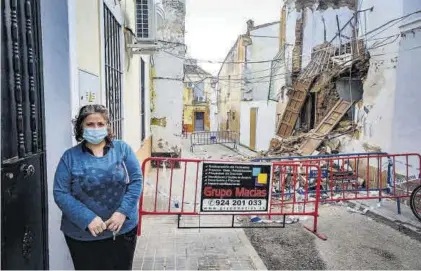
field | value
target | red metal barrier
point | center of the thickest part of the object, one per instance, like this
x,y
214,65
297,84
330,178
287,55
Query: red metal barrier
x,y
392,176
180,191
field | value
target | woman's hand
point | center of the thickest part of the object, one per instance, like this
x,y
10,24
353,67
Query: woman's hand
x,y
97,226
115,222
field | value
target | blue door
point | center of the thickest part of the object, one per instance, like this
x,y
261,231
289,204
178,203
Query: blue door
x,y
199,121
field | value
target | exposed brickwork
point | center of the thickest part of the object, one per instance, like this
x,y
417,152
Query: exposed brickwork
x,y
298,48
325,102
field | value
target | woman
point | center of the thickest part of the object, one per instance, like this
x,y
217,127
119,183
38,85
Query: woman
x,y
97,186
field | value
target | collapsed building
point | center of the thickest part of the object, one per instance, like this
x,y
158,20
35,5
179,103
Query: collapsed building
x,y
321,98
341,79
319,77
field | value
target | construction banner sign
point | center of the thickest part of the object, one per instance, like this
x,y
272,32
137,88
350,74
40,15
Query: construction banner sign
x,y
235,187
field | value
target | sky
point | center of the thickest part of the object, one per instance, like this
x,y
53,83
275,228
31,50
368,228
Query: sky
x,y
212,26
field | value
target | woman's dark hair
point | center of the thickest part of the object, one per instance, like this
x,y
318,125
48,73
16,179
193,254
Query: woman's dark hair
x,y
86,111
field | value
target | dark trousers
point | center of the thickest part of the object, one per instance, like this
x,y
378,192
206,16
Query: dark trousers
x,y
107,254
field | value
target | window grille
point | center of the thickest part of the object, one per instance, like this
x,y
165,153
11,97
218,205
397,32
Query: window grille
x,y
113,71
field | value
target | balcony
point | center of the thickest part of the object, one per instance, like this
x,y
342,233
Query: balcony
x,y
199,100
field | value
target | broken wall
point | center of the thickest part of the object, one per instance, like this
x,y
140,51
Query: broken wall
x,y
375,115
320,26
167,104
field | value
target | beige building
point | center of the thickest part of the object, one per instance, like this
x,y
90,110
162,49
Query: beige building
x,y
230,82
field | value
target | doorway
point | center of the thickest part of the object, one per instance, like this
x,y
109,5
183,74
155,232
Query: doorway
x,y
253,127
199,121
24,222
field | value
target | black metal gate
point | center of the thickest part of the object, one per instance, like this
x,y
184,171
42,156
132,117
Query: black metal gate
x,y
24,226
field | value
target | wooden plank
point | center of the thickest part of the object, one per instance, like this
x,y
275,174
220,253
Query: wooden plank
x,y
292,110
326,126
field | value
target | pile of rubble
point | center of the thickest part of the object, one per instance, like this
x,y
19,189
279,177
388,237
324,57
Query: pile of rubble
x,y
291,146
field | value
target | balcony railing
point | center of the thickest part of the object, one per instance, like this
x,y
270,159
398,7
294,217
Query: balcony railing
x,y
199,100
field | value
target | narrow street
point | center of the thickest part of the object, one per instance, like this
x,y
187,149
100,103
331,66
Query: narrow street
x,y
355,241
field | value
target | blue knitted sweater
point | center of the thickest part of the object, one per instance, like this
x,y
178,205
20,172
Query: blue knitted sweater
x,y
86,186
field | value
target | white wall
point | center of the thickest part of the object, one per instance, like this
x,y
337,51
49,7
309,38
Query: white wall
x,y
291,21
168,102
147,60
407,113
265,123
314,28
406,125
58,113
262,48
380,84
169,89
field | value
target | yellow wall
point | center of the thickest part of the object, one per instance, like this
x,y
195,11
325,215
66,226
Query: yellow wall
x,y
190,107
145,152
230,90
283,28
131,86
88,36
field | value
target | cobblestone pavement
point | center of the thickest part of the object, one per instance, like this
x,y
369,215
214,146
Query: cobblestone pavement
x,y
163,246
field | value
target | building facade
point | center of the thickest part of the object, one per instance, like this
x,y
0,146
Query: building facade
x,y
167,81
257,110
349,59
196,98
243,86
66,54
230,84
406,118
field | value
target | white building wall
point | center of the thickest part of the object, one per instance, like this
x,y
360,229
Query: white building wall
x,y
265,123
169,81
57,84
168,103
406,122
291,21
147,60
131,87
375,117
265,45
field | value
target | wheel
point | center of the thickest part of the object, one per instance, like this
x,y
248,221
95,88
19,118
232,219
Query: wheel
x,y
415,202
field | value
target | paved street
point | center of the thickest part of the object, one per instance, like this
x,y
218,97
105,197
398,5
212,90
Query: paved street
x,y
355,241
163,246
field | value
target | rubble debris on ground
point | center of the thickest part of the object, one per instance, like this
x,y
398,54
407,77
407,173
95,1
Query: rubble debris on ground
x,y
291,146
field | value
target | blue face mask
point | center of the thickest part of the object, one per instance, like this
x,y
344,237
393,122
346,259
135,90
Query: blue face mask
x,y
95,135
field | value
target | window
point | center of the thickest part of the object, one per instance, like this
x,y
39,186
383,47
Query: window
x,y
113,71
142,19
142,99
199,90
